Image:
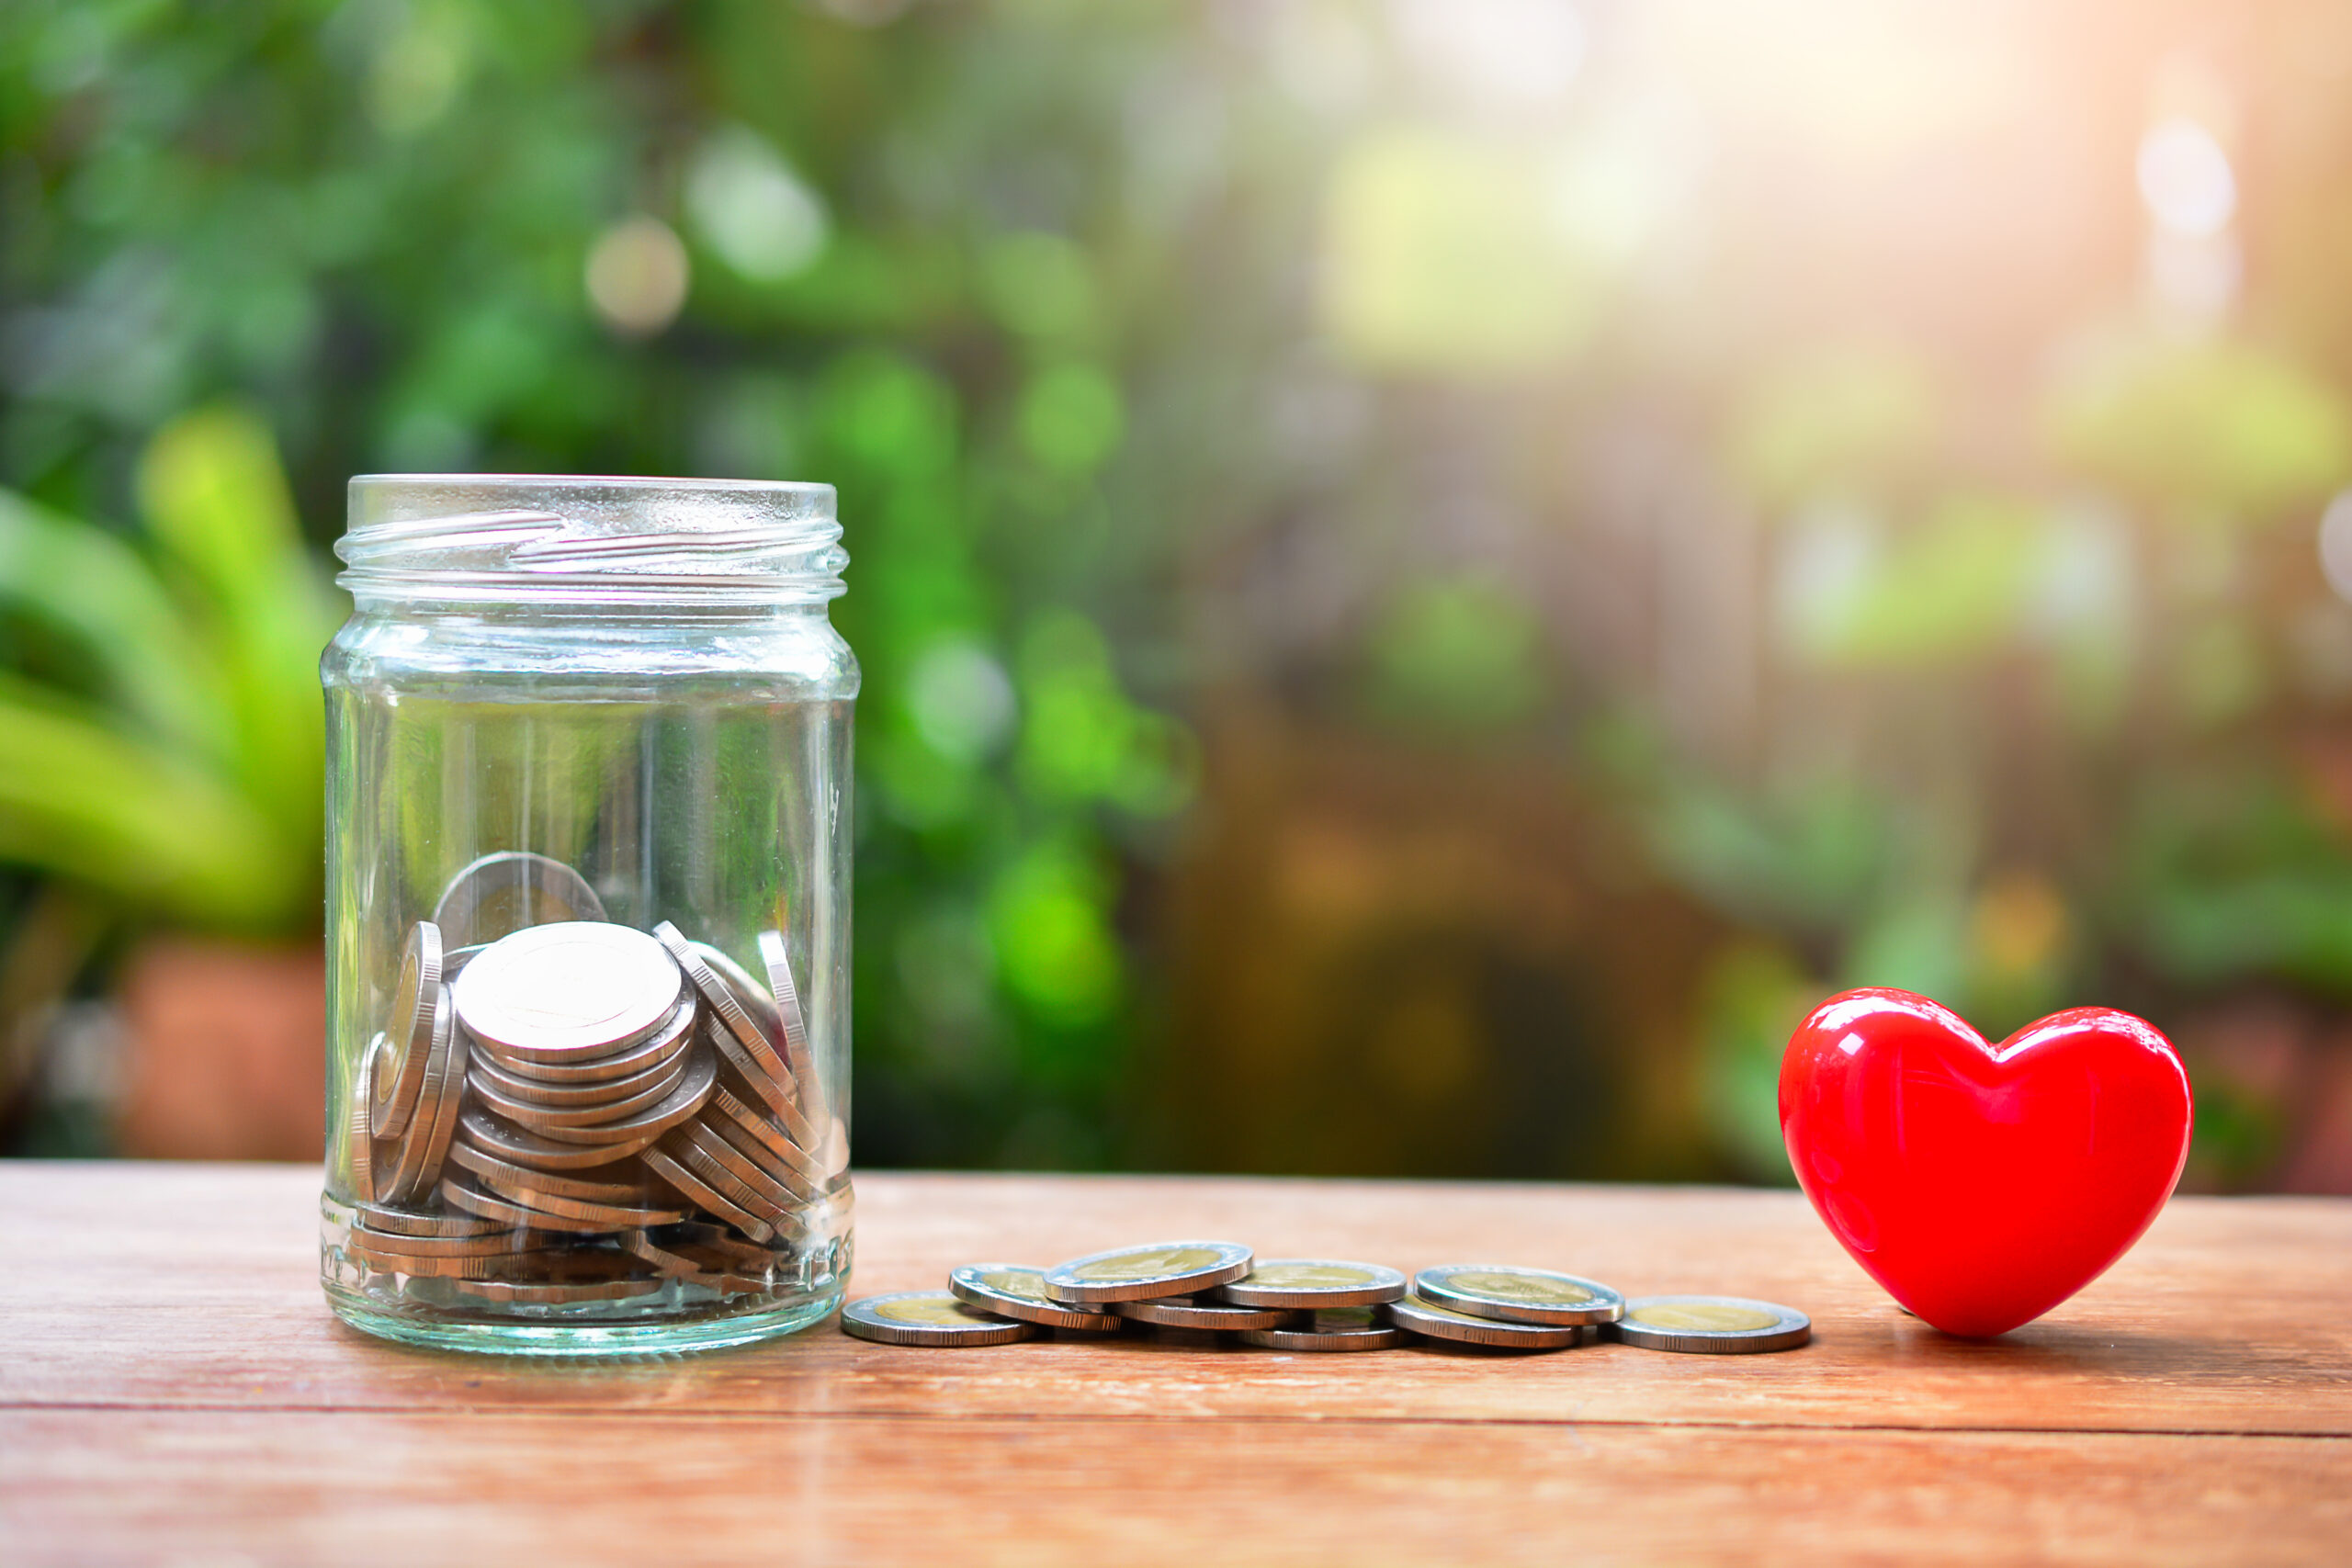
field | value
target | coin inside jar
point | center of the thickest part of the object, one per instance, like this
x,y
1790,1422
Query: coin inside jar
x,y
408,1027
509,891
562,992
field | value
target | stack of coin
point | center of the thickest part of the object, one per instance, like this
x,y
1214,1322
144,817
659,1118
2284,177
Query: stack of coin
x,y
1208,1289
574,1110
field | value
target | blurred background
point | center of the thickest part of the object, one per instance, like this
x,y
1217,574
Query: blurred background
x,y
1431,572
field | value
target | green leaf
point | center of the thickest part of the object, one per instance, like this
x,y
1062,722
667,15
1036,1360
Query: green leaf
x,y
82,801
91,587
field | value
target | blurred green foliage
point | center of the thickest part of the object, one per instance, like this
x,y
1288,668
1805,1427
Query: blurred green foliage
x,y
1900,583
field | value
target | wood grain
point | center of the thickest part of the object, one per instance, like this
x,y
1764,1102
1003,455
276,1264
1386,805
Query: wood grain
x,y
303,1488
171,1384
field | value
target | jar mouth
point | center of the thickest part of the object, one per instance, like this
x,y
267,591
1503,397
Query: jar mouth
x,y
500,536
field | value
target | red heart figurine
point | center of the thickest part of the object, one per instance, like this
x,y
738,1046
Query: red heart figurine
x,y
1981,1184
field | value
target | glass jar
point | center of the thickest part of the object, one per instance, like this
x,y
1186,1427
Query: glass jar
x,y
588,914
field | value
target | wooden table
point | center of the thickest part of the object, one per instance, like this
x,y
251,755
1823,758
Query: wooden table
x,y
172,1387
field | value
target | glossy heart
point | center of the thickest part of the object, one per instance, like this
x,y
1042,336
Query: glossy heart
x,y
1981,1184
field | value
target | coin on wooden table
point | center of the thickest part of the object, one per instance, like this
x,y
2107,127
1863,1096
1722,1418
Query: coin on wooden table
x,y
411,1025
524,1147
382,1220
559,993
1311,1282
504,893
1148,1272
1511,1294
1434,1320
1719,1325
1189,1311
553,1279
1015,1289
776,959
1333,1330
703,1195
929,1317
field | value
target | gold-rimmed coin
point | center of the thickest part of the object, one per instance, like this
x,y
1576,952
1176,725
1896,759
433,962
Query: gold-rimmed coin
x,y
675,1108
410,1026
559,993
1147,1273
1187,1311
1312,1283
1434,1320
1016,1289
1333,1330
556,1279
508,891
1715,1325
929,1317
1511,1294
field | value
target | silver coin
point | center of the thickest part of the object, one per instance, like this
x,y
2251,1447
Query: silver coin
x,y
729,1010
1333,1330
780,1096
638,1094
718,1239
504,893
792,1021
551,1213
500,1174
755,1199
490,1244
1436,1322
1518,1295
929,1317
761,1193
1147,1273
748,991
558,1278
1720,1325
759,1144
1187,1311
410,1025
637,1214
689,1182
526,1148
677,1105
358,1134
1311,1282
562,992
406,1167
669,1040
547,1096
1015,1289
381,1220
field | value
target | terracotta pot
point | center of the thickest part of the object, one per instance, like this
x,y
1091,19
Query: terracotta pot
x,y
225,1051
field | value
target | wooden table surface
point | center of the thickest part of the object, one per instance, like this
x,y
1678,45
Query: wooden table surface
x,y
173,1388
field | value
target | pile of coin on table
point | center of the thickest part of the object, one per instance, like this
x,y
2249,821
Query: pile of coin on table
x,y
1314,1304
562,1110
